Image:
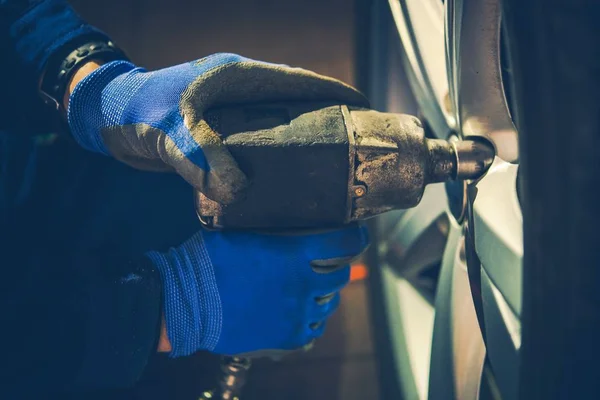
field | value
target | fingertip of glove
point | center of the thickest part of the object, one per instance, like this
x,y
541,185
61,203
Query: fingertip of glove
x,y
227,187
329,265
317,330
230,191
361,231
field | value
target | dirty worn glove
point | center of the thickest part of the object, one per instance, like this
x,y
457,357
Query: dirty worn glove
x,y
235,293
155,120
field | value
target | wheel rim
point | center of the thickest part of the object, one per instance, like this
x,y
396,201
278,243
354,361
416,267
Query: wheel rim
x,y
466,95
420,24
475,69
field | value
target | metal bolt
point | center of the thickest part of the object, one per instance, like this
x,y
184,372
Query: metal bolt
x,y
359,191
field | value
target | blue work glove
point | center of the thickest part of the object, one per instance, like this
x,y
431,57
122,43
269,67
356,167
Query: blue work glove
x,y
234,292
155,120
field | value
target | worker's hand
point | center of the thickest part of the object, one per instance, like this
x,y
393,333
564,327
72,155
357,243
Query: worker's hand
x,y
155,120
234,293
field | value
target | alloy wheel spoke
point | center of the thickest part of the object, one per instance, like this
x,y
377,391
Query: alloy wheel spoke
x,y
420,24
476,70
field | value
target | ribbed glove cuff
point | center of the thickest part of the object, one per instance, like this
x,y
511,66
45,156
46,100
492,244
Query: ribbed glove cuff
x,y
92,105
192,304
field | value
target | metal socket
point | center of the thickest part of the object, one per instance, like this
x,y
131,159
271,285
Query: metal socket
x,y
473,158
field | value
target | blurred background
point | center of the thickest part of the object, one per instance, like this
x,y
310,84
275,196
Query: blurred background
x,y
157,33
315,34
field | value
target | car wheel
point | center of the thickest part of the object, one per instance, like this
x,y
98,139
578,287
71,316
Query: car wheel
x,y
462,309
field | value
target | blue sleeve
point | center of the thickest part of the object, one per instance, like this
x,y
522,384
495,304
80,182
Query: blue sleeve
x,y
70,321
30,32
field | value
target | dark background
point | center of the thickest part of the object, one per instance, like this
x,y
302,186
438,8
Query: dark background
x,y
314,34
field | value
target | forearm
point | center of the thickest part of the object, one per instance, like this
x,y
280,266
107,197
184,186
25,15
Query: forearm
x,y
79,326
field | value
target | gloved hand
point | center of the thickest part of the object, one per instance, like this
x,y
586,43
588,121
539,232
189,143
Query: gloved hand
x,y
154,120
234,292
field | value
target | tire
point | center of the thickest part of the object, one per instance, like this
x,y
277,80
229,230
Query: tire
x,y
556,61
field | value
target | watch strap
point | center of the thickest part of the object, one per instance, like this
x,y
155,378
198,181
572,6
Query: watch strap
x,y
59,72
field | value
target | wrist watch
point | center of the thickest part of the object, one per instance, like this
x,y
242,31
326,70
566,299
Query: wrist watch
x,y
61,68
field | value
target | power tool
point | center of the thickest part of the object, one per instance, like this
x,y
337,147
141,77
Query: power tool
x,y
323,165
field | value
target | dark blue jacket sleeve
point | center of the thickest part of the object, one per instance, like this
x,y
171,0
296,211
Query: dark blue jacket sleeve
x,y
81,305
80,308
75,327
30,32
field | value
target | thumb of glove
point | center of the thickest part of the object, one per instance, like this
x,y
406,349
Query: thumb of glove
x,y
220,179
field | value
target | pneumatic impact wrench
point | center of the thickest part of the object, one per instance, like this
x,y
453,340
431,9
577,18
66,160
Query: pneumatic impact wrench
x,y
323,165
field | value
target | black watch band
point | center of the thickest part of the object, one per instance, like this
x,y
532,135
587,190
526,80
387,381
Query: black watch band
x,y
58,72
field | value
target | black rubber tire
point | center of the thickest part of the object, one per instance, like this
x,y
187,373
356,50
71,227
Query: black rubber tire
x,y
555,56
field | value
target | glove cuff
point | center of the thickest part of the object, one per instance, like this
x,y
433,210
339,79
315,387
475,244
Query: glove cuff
x,y
92,106
192,305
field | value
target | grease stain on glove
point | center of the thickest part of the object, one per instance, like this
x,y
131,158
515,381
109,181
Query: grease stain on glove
x,y
155,120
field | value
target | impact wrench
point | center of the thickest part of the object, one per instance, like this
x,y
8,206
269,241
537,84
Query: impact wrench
x,y
324,165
